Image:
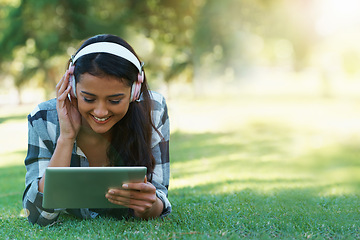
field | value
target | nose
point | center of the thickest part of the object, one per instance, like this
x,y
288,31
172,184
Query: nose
x,y
101,110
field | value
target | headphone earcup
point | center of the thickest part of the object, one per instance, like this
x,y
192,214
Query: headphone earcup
x,y
136,87
135,91
73,85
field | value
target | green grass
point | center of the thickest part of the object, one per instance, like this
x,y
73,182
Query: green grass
x,y
242,172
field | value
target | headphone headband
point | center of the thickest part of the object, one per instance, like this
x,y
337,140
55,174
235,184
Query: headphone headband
x,y
111,48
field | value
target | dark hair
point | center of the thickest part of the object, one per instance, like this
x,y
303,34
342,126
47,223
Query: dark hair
x,y
131,136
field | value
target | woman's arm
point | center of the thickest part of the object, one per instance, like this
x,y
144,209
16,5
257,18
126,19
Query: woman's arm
x,y
69,121
48,148
41,143
60,158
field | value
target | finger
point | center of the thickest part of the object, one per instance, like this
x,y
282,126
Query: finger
x,y
120,195
126,201
126,194
137,205
118,200
64,94
133,198
118,203
62,79
141,187
63,84
63,100
118,192
60,82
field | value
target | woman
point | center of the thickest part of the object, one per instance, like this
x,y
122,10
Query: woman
x,y
105,117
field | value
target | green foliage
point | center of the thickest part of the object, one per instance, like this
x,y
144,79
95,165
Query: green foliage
x,y
11,37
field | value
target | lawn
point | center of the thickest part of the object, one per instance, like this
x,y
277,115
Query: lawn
x,y
240,168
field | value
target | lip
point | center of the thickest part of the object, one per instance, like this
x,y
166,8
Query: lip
x,y
99,121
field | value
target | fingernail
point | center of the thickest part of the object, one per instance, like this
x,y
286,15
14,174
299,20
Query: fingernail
x,y
125,186
111,191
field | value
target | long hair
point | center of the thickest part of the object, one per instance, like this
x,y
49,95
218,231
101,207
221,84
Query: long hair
x,y
131,136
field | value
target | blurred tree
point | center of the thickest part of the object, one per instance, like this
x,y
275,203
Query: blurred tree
x,y
170,25
59,24
231,31
189,36
50,27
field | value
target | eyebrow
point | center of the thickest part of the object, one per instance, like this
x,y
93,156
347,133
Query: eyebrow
x,y
110,96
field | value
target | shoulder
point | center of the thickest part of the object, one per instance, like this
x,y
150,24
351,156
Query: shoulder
x,y
157,97
158,101
45,111
159,114
44,106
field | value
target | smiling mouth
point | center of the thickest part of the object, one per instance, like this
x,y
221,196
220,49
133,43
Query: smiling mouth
x,y
101,120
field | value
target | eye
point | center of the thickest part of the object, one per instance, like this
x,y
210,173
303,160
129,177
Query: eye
x,y
89,100
114,102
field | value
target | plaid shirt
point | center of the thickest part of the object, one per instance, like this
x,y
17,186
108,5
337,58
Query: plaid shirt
x,y
44,130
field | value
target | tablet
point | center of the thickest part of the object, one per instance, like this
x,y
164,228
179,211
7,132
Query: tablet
x,y
85,187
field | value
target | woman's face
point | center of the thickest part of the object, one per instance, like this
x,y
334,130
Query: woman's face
x,y
102,101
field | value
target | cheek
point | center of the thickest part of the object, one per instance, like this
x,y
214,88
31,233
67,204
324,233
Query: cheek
x,y
121,112
82,108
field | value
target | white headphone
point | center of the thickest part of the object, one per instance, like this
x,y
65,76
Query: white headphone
x,y
117,50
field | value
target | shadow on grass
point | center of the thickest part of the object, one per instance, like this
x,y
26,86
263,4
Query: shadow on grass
x,y
258,139
260,148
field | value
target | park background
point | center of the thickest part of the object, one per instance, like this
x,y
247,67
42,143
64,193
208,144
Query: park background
x,y
264,102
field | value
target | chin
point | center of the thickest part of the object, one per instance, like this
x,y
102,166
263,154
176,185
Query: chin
x,y
102,130
106,128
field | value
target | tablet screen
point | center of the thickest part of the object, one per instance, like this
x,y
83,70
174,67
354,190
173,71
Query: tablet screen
x,y
85,187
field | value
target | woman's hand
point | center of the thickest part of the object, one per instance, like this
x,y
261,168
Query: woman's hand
x,y
69,116
141,197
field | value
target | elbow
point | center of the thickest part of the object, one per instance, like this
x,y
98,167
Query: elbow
x,y
38,216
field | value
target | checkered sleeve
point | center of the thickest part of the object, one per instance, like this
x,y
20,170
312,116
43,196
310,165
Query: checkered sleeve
x,y
160,150
41,145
